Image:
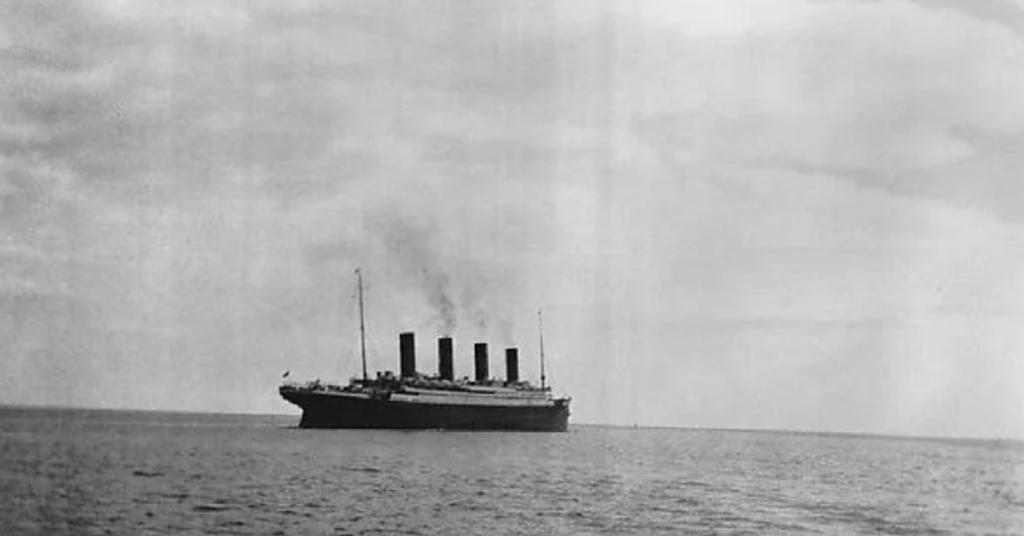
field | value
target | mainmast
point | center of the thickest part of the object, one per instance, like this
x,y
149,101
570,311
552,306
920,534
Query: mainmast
x,y
362,324
540,324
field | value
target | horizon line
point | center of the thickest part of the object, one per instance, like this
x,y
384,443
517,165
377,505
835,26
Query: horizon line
x,y
832,433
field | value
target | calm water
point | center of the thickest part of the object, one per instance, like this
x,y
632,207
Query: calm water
x,y
103,472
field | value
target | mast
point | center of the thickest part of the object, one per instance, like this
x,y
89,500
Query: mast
x,y
540,324
362,324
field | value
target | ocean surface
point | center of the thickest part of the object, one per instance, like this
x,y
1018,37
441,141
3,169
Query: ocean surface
x,y
117,472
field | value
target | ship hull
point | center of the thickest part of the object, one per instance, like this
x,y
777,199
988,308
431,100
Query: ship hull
x,y
327,410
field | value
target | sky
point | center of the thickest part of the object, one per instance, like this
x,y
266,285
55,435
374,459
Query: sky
x,y
802,215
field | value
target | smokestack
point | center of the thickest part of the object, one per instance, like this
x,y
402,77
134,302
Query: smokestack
x,y
445,369
407,354
512,364
480,352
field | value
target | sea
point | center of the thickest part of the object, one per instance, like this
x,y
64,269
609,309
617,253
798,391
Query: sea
x,y
87,472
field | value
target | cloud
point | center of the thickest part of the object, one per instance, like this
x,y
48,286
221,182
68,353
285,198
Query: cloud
x,y
1009,13
213,169
824,88
722,207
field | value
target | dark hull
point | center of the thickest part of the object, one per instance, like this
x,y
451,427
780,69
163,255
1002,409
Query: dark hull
x,y
322,410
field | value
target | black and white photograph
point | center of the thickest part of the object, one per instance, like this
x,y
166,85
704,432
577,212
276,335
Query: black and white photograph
x,y
531,267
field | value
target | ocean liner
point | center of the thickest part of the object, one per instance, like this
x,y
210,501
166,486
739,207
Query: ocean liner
x,y
413,400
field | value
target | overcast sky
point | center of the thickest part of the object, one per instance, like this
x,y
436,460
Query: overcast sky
x,y
734,213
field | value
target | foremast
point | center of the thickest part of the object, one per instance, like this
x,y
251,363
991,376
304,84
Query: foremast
x,y
362,324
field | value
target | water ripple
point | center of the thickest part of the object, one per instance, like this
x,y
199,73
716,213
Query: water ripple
x,y
130,476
